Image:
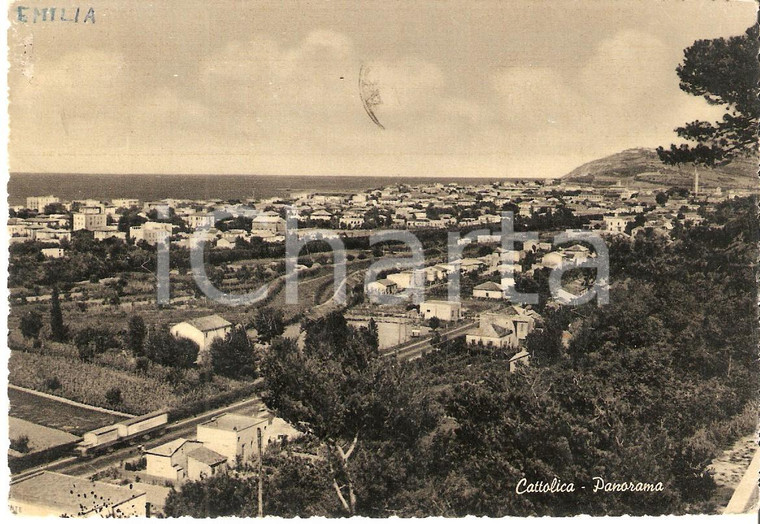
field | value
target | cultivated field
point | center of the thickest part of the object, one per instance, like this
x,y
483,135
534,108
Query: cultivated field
x,y
54,414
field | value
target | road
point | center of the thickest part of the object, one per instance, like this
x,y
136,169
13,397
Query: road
x,y
180,429
414,349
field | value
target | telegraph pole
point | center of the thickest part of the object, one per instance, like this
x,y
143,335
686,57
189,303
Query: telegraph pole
x,y
261,476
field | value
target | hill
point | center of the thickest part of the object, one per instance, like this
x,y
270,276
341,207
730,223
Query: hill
x,y
642,168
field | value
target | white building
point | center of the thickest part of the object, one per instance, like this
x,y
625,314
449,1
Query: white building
x,y
488,290
441,309
200,220
151,232
203,331
406,279
125,202
269,222
39,202
106,232
232,436
170,461
520,359
53,252
616,224
89,221
493,332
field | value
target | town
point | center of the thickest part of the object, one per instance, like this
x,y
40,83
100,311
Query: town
x,y
171,396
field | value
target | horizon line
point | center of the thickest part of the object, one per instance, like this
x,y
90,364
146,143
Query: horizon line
x,y
319,175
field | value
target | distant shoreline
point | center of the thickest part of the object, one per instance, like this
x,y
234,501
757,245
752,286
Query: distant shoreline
x,y
146,187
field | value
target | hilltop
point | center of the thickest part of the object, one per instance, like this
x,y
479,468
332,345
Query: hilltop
x,y
641,167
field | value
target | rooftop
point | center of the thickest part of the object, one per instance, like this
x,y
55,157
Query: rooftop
x,y
489,286
230,422
168,449
209,323
70,495
207,456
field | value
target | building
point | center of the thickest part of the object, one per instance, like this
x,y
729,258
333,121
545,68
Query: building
x,y
48,494
200,220
488,290
616,224
351,221
203,463
406,279
383,286
203,331
441,309
268,222
39,202
224,243
106,232
151,232
46,234
89,221
492,332
520,359
232,436
125,203
169,461
53,252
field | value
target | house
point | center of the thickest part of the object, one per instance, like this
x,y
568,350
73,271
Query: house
x,y
268,222
383,286
88,221
200,220
203,331
53,252
488,290
224,243
49,494
520,359
169,461
40,202
441,309
321,216
151,232
524,320
125,203
351,221
106,232
405,279
203,462
616,224
232,436
493,332
552,260
470,265
435,273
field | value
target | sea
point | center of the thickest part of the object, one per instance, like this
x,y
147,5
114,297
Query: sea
x,y
199,187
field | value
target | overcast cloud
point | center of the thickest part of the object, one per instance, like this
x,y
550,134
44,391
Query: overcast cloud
x,y
487,89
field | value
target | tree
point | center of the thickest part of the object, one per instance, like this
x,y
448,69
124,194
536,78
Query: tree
x,y
31,324
136,332
661,198
269,323
20,444
113,396
233,356
724,72
434,323
93,341
59,332
222,495
162,348
323,390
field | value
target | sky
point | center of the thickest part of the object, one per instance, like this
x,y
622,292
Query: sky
x,y
491,89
